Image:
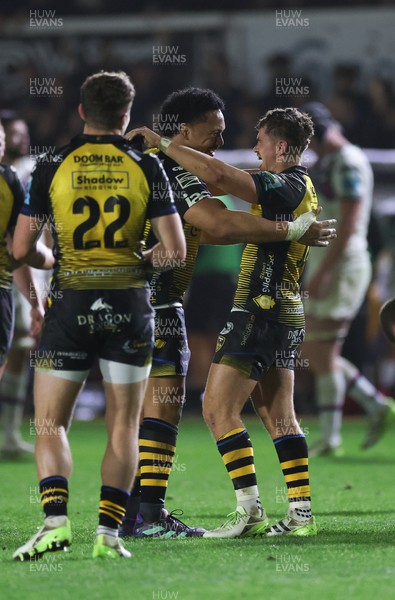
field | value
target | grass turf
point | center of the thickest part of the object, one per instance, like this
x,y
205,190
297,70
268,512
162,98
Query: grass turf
x,y
352,557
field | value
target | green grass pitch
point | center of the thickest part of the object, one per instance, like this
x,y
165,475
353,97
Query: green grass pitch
x,y
353,557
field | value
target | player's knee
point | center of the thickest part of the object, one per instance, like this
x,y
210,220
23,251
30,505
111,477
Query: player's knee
x,y
217,418
209,416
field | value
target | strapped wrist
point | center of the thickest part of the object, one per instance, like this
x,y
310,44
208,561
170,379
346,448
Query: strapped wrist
x,y
298,228
164,143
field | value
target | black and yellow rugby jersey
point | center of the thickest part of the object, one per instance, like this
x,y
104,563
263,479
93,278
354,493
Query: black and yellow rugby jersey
x,y
268,282
169,287
11,200
97,193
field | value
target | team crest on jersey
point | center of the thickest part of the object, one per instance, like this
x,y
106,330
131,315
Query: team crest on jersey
x,y
264,302
228,328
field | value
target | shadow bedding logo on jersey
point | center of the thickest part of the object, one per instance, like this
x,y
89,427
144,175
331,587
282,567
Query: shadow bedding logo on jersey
x,y
86,179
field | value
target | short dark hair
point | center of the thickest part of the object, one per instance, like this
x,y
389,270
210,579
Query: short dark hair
x,y
105,97
290,124
387,319
189,105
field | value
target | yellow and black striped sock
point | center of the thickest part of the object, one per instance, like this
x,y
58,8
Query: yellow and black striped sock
x,y
238,455
112,506
293,456
54,495
157,445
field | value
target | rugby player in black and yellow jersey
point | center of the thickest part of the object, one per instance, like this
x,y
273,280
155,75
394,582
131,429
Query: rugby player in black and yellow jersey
x,y
96,193
198,116
11,200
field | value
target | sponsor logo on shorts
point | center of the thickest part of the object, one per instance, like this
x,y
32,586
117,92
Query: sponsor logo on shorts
x,y
248,330
128,349
99,304
103,318
133,347
73,355
106,320
296,336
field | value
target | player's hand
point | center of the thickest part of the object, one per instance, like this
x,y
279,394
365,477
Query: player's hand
x,y
320,232
147,259
151,139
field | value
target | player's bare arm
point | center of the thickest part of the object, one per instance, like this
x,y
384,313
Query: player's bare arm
x,y
225,226
26,248
211,170
25,283
172,247
236,226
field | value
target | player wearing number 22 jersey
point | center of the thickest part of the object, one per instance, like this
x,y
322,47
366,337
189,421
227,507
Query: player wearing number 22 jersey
x,y
96,194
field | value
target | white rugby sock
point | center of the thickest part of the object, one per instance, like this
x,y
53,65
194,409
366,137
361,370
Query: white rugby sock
x,y
249,499
330,391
